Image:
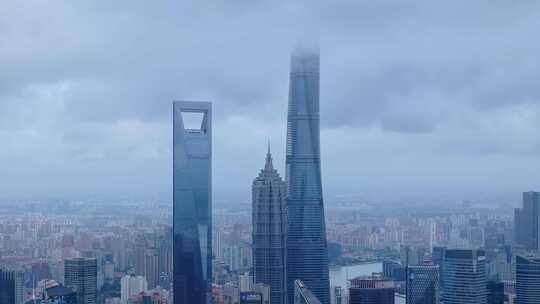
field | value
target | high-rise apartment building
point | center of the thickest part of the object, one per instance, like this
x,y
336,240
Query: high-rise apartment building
x,y
464,277
526,221
527,279
269,231
422,285
303,295
80,274
307,256
371,290
131,286
192,203
151,267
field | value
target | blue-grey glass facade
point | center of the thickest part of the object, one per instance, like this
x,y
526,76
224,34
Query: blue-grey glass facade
x,y
526,221
192,203
464,277
307,257
527,280
371,290
80,274
422,285
269,231
7,286
11,285
302,294
495,292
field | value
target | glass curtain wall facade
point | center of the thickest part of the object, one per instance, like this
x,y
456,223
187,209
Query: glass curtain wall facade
x,y
307,257
422,285
302,294
80,274
527,280
464,277
7,286
192,203
371,290
526,221
269,231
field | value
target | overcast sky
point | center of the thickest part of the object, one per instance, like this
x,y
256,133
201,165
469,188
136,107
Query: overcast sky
x,y
417,97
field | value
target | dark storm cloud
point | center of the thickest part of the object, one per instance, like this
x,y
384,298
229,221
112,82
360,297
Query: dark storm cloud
x,y
86,90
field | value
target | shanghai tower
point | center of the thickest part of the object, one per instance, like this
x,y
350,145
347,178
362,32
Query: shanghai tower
x,y
307,257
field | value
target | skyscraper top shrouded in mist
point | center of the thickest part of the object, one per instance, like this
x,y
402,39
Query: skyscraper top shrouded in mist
x,y
192,203
307,257
269,231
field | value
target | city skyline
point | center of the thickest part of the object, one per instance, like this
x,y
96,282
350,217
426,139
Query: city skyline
x,y
403,170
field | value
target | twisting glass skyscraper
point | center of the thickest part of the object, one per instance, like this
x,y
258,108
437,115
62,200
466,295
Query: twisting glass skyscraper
x,y
307,257
192,196
269,231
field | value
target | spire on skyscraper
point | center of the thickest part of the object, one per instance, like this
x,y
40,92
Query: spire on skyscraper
x,y
269,231
268,166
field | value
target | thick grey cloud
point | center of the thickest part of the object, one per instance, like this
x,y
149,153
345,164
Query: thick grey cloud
x,y
422,97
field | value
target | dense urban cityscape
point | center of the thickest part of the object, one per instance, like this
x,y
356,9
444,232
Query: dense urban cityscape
x,y
133,250
280,248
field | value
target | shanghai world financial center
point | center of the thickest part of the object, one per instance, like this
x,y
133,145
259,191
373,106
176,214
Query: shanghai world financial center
x,y
304,251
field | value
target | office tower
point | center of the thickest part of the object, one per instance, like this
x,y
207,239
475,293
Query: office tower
x,y
307,257
519,233
527,279
495,292
411,256
371,290
269,230
302,294
389,267
131,286
59,295
437,257
464,277
501,267
80,274
11,289
422,285
192,203
526,221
